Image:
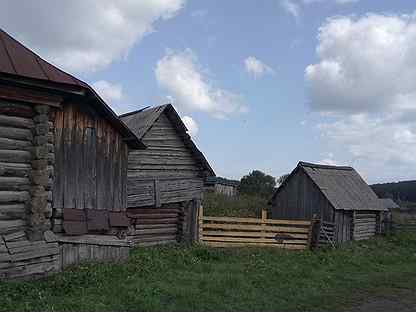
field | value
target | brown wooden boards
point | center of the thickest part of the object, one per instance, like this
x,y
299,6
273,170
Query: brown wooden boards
x,y
153,225
166,172
90,164
230,232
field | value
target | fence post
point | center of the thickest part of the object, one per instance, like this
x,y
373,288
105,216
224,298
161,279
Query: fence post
x,y
200,222
314,231
263,222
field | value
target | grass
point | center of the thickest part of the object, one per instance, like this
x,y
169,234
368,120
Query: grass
x,y
240,206
186,278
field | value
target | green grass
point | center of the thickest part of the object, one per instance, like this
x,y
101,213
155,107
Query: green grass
x,y
241,206
184,278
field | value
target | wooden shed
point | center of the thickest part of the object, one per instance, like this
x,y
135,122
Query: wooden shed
x,y
347,206
223,186
165,181
63,167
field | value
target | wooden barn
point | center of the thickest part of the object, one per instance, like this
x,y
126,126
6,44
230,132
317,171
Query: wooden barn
x,y
219,185
165,181
347,206
63,168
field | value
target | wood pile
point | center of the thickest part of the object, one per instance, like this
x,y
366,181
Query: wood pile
x,y
153,226
21,258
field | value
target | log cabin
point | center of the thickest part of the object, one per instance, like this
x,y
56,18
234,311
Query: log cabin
x,y
63,168
346,205
165,182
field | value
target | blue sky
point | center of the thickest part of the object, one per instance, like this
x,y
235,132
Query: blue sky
x,y
247,74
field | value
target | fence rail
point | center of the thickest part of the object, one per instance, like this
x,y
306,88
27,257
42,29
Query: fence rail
x,y
238,232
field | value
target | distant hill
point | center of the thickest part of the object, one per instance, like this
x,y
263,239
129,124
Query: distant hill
x,y
401,192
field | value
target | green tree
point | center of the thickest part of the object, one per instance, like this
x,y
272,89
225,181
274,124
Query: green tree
x,y
257,183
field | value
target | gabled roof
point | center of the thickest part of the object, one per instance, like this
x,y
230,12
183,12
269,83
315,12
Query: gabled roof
x,y
342,186
388,203
141,121
17,62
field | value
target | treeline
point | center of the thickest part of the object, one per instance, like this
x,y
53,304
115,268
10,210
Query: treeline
x,y
404,191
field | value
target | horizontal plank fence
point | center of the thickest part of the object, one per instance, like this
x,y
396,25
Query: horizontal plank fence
x,y
408,226
241,232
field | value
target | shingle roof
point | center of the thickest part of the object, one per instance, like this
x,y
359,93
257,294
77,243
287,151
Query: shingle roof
x,y
343,187
141,121
388,203
18,61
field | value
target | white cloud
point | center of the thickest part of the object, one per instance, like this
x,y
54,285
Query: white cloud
x,y
291,7
84,35
108,91
188,83
366,80
112,94
335,1
191,125
256,67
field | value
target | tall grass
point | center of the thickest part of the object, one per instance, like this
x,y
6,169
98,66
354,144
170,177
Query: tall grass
x,y
240,206
197,278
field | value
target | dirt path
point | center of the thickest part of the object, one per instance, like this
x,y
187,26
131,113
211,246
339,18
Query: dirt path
x,y
400,302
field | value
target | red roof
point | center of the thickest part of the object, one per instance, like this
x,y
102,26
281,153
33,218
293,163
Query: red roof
x,y
16,59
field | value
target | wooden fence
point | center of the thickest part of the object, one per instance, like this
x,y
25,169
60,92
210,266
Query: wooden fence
x,y
239,232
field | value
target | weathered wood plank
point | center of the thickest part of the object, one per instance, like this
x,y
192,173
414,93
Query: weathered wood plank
x,y
256,220
58,187
230,244
268,228
249,234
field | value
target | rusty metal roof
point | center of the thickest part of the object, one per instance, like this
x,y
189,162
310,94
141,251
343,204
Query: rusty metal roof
x,y
17,60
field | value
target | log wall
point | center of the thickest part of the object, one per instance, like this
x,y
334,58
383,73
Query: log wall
x,y
16,144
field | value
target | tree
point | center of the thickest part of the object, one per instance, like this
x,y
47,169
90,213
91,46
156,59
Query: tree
x,y
257,183
282,179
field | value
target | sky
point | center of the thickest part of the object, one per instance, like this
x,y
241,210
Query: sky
x,y
260,84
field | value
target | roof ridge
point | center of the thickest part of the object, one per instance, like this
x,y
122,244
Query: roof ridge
x,y
320,166
143,109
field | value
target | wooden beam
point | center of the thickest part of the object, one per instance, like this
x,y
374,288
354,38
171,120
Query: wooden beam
x,y
29,96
